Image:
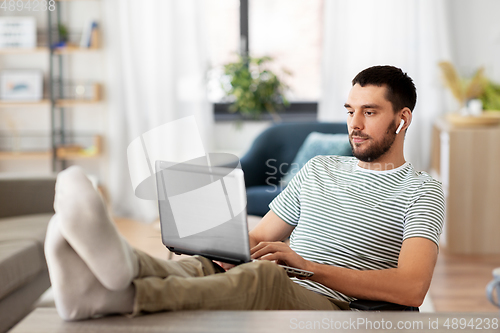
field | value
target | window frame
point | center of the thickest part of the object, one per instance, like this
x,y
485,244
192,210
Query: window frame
x,y
296,111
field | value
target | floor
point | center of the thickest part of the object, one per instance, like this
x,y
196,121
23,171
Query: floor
x,y
458,284
460,281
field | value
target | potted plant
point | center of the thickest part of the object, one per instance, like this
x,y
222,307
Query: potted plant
x,y
253,88
491,97
463,89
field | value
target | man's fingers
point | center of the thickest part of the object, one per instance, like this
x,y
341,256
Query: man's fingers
x,y
276,256
265,249
261,245
258,254
257,247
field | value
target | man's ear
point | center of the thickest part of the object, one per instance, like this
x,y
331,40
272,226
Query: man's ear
x,y
406,115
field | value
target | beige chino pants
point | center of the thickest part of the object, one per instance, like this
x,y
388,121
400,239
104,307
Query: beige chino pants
x,y
195,283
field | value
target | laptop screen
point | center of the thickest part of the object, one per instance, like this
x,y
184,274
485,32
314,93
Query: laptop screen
x,y
203,210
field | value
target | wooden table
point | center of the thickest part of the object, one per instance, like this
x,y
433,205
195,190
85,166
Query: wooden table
x,y
46,320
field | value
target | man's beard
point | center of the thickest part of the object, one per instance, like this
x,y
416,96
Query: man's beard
x,y
376,150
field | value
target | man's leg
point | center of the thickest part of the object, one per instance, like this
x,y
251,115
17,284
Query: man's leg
x,y
77,292
259,285
87,227
91,266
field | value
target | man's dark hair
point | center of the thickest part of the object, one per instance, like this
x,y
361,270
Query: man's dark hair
x,y
401,91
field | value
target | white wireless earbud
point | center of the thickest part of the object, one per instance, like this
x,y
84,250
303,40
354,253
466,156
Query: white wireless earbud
x,y
400,126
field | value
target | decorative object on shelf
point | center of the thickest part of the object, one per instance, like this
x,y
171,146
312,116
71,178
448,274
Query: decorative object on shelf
x,y
90,35
463,89
21,85
83,91
17,32
74,150
475,107
491,96
62,37
253,88
63,33
67,41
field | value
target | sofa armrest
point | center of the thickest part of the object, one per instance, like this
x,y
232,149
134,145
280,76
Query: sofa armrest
x,y
21,195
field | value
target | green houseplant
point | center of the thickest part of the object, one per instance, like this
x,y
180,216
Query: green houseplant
x,y
479,86
253,88
491,96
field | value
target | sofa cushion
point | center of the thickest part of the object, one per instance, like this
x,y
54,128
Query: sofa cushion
x,y
25,227
259,198
318,144
22,195
20,262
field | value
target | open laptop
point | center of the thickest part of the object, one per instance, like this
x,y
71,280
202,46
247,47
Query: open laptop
x,y
203,212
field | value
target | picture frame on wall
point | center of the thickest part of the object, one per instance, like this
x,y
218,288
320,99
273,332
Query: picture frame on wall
x,y
17,32
21,85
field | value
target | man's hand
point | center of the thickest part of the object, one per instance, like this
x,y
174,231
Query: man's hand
x,y
279,252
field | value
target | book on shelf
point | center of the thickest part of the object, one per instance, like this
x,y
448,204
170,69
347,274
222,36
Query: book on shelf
x,y
90,35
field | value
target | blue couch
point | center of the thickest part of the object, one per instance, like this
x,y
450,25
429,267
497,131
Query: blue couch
x,y
270,156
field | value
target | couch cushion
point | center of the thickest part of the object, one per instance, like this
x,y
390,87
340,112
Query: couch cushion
x,y
318,144
20,262
259,198
24,227
22,195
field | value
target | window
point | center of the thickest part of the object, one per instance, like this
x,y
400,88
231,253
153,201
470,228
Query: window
x,y
290,31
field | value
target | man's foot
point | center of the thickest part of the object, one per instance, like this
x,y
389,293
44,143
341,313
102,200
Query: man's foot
x,y
85,224
77,292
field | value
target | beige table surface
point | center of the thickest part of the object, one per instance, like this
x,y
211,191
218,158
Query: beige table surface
x,y
46,320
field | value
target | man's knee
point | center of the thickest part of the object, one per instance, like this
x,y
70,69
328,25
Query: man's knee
x,y
268,270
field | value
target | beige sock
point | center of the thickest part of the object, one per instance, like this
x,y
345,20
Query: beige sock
x,y
77,292
86,225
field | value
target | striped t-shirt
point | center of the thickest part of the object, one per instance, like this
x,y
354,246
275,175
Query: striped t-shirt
x,y
351,217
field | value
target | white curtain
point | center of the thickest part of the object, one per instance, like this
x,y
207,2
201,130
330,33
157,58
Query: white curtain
x,y
410,34
157,60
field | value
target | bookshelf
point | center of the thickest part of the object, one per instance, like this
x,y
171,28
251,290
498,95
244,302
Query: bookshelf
x,y
11,104
39,49
75,49
5,156
73,103
58,112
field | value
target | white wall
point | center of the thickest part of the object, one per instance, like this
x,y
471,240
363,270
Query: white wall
x,y
475,31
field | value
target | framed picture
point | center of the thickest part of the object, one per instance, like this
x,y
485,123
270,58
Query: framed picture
x,y
17,32
21,85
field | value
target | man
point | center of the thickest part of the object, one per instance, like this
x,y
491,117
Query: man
x,y
367,226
